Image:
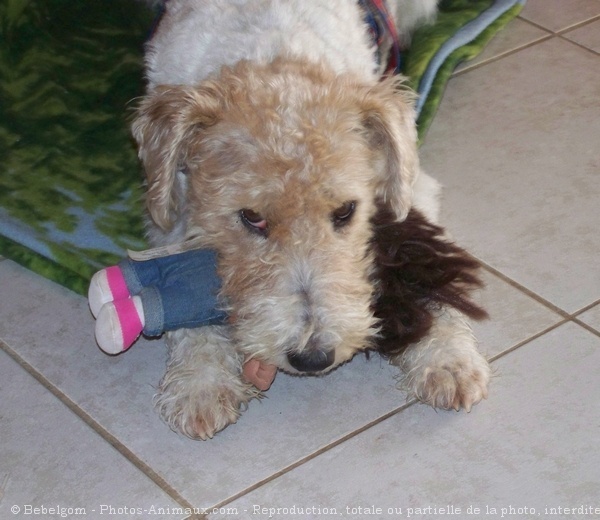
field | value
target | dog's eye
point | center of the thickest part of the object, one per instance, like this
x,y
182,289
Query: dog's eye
x,y
342,215
254,221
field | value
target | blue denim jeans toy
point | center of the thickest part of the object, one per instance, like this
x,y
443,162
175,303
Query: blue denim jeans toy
x,y
153,296
177,291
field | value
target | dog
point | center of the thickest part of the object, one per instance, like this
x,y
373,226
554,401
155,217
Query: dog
x,y
269,135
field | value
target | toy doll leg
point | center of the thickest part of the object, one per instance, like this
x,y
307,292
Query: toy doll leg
x,y
119,323
177,291
169,293
138,275
184,305
168,270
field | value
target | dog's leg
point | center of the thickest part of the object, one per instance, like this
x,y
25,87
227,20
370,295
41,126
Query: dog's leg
x,y
202,391
445,369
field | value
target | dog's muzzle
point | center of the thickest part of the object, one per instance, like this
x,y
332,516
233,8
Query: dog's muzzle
x,y
313,360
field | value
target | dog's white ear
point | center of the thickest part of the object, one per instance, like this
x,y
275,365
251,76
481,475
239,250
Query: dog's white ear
x,y
166,121
389,117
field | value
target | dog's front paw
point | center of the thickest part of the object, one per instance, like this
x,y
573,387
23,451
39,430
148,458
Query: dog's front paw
x,y
199,411
203,390
445,369
458,384
198,418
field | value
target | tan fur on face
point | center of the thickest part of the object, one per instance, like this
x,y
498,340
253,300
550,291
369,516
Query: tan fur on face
x,y
292,142
168,119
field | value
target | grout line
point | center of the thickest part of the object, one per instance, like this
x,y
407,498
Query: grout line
x,y
586,308
162,483
559,32
528,340
542,301
542,333
315,454
369,425
576,44
566,317
131,457
587,327
577,25
498,57
581,323
550,34
539,299
562,32
536,25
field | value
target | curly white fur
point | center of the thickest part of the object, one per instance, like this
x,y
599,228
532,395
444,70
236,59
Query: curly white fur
x,y
196,38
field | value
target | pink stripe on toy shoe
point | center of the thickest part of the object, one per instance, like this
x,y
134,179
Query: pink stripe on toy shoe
x,y
116,283
129,320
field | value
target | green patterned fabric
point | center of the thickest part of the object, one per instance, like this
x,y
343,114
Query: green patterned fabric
x,y
70,182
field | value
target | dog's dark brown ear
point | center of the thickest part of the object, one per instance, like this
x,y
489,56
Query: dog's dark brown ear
x,y
165,122
389,117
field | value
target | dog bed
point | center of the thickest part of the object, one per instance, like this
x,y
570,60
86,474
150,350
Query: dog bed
x,y
70,181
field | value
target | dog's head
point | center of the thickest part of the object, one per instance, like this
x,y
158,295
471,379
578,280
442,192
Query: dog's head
x,y
279,169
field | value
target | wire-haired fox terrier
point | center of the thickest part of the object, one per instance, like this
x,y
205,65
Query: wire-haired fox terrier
x,y
269,135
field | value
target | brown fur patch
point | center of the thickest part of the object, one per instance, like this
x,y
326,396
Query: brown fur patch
x,y
417,271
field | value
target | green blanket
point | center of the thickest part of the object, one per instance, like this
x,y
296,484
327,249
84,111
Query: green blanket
x,y
70,182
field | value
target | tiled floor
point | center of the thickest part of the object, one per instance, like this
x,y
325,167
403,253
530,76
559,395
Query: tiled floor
x,y
517,145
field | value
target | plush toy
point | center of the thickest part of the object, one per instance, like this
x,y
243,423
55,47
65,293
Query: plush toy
x,y
160,294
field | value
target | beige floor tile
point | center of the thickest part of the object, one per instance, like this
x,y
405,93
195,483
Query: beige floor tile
x,y
52,465
515,145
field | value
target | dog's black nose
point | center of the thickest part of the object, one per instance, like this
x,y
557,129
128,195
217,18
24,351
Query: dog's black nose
x,y
313,360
